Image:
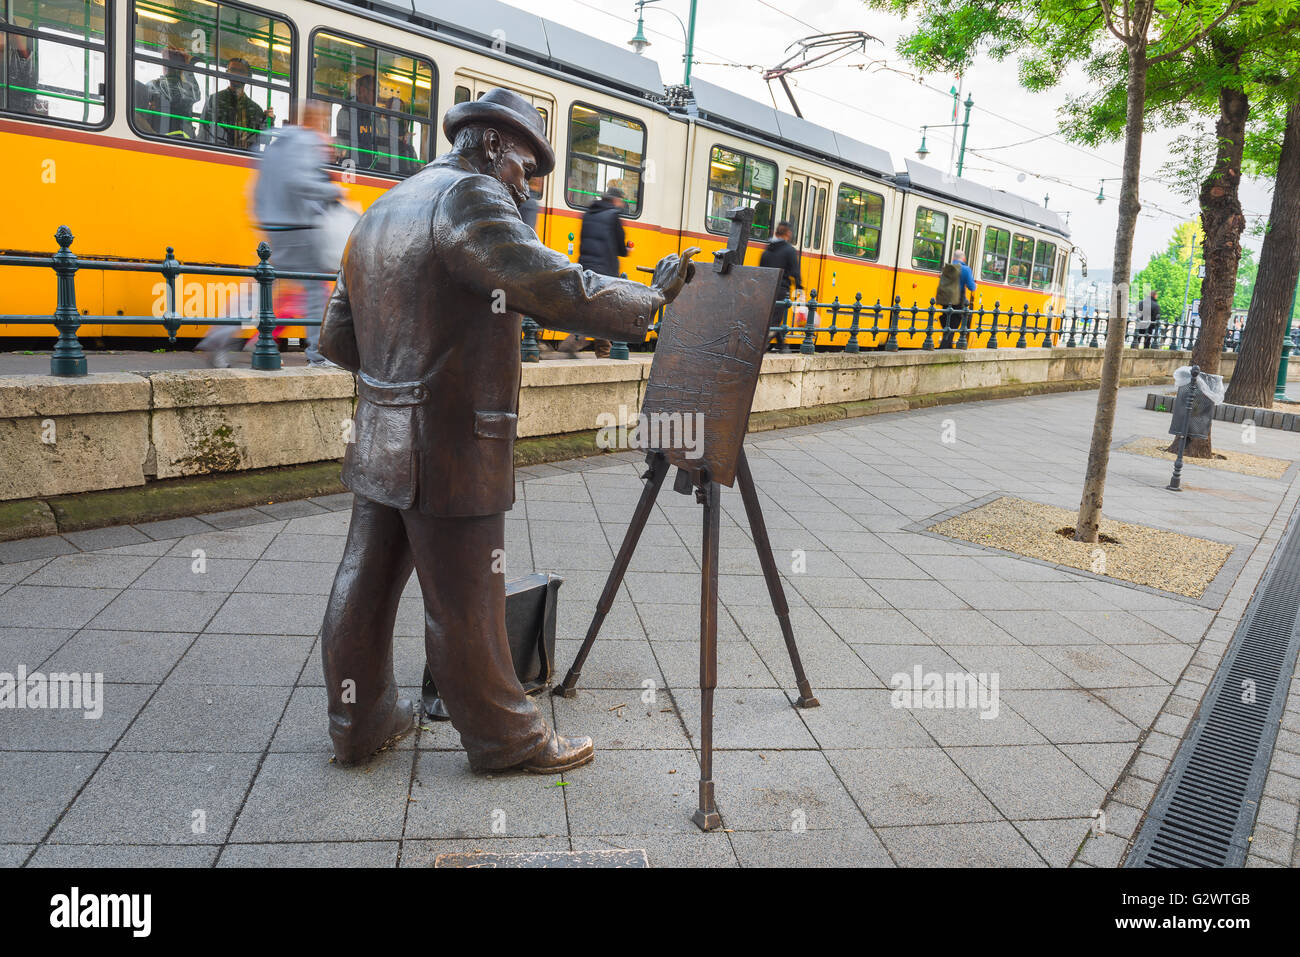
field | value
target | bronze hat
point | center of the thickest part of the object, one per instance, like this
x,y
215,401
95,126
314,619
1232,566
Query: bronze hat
x,y
500,107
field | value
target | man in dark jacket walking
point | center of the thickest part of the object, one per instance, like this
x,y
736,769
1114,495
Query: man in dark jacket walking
x,y
1148,322
781,254
601,244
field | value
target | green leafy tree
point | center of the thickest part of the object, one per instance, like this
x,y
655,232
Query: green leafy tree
x,y
1128,39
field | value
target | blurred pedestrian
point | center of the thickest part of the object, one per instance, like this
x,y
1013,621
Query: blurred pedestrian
x,y
1148,321
601,243
291,198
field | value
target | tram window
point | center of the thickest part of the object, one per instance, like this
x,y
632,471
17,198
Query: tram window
x,y
738,179
792,206
380,102
605,150
927,242
859,216
462,94
997,245
813,234
1022,259
1043,262
52,55
210,73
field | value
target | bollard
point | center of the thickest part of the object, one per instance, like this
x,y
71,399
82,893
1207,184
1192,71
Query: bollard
x,y
1175,481
68,358
809,344
171,320
529,350
266,354
852,345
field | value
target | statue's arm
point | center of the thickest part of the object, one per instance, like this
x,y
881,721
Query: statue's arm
x,y
338,337
496,254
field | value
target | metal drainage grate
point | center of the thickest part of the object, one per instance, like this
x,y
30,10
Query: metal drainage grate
x,y
1204,812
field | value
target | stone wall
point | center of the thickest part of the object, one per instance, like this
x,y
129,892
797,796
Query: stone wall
x,y
117,430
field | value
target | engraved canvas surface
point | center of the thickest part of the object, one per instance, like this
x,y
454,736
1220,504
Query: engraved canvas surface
x,y
707,362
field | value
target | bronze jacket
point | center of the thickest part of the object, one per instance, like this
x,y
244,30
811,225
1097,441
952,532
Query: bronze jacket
x,y
427,311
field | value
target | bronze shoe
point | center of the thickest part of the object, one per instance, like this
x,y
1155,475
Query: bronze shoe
x,y
561,754
400,723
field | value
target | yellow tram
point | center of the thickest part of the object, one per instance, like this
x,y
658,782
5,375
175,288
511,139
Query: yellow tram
x,y
139,122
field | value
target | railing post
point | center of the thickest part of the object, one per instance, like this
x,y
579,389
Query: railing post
x,y
171,320
1023,342
835,321
68,358
891,337
963,328
928,345
993,332
619,350
529,350
266,354
809,344
1096,328
852,345
1047,328
1074,327
782,346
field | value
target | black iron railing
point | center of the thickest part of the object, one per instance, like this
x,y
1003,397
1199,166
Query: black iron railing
x,y
69,359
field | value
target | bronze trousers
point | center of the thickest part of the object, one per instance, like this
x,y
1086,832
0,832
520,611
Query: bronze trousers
x,y
464,631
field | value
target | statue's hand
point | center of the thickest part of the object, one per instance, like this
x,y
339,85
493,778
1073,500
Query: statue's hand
x,y
673,272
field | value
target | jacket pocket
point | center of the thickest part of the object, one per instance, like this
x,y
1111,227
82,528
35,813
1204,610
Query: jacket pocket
x,y
495,425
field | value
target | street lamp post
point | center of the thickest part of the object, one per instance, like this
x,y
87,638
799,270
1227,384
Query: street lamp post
x,y
640,42
1279,391
922,152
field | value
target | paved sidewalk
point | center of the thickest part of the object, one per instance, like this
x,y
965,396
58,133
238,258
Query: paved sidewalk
x,y
212,747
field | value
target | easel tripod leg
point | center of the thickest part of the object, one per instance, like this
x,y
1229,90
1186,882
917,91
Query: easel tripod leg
x,y
654,479
707,817
763,545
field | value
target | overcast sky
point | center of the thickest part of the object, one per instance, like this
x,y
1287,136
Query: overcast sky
x,y
887,109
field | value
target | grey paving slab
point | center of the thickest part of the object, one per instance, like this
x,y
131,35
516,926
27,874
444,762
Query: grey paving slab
x,y
1015,667
871,626
172,528
29,549
183,717
843,847
234,518
633,792
75,729
13,855
112,537
288,578
862,719
1098,666
967,726
294,509
307,798
995,844
1030,781
612,664
1057,840
450,800
140,799
138,609
31,606
423,853
747,718
217,659
623,719
739,665
1066,716
91,571
287,546
197,574
136,656
781,791
712,849
828,663
36,787
320,854
16,572
123,855
248,614
29,646
898,786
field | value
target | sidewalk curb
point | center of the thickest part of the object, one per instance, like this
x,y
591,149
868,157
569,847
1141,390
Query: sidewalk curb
x,y
195,495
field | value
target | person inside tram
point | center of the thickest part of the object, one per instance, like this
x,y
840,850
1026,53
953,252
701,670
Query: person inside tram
x,y
375,144
172,96
231,117
20,94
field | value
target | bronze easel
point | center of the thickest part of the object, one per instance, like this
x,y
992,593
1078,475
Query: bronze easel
x,y
727,396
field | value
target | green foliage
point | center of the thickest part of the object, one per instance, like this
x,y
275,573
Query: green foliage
x,y
1167,273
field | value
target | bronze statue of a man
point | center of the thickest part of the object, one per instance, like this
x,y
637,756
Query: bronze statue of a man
x,y
427,313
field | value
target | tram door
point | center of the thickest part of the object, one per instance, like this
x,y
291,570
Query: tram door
x,y
803,205
966,237
471,86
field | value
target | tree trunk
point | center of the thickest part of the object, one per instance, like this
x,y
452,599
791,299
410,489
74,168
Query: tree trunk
x,y
1255,376
1094,480
1223,222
